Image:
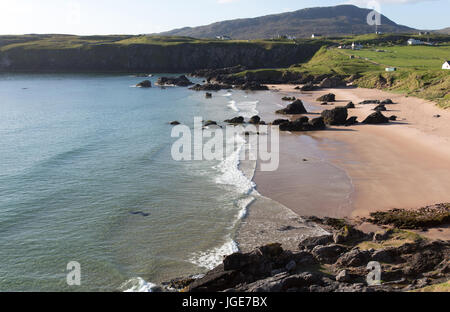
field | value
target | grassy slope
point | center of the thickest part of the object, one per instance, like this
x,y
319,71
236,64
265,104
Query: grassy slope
x,y
418,72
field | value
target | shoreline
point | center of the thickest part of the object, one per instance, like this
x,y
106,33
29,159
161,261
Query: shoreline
x,y
405,164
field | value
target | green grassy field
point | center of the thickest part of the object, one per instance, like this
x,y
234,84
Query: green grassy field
x,y
407,57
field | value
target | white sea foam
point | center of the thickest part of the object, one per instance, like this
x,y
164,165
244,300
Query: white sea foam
x,y
243,205
138,284
232,105
227,94
213,258
230,172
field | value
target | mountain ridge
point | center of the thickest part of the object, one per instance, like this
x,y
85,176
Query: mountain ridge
x,y
328,21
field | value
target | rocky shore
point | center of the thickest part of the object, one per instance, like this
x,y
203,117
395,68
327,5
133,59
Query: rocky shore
x,y
341,261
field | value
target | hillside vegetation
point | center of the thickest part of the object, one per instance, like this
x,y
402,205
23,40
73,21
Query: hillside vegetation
x,y
326,21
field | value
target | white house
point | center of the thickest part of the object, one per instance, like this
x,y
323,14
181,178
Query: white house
x,y
315,36
415,42
446,65
356,46
223,37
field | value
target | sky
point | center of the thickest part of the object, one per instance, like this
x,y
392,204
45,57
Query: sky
x,y
101,17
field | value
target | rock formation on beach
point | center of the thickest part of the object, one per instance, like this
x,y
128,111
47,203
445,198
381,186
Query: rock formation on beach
x,y
181,81
337,262
144,84
294,108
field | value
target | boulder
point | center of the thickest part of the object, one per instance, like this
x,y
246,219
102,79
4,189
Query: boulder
x,y
308,87
211,87
380,108
350,105
208,95
370,102
317,123
351,121
181,81
235,120
288,98
210,123
393,118
343,277
175,123
255,120
387,255
330,97
328,254
354,258
376,118
335,116
278,122
311,242
387,101
294,108
144,84
332,82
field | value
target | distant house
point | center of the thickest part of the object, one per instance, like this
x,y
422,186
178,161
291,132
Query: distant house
x,y
446,65
223,37
315,36
356,46
415,42
391,69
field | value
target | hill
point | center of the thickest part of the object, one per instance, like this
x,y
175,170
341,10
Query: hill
x,y
445,31
327,21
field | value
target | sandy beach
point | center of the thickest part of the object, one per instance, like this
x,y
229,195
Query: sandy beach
x,y
405,164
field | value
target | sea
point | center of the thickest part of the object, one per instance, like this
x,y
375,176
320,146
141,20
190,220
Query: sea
x,y
87,176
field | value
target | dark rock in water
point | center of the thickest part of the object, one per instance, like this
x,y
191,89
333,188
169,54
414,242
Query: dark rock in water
x,y
144,84
324,103
310,242
336,116
175,123
380,108
253,86
235,120
351,121
350,105
144,214
181,81
208,95
317,123
293,109
211,87
210,123
370,102
308,87
376,118
387,101
255,120
278,122
330,97
288,98
328,254
437,116
332,82
393,118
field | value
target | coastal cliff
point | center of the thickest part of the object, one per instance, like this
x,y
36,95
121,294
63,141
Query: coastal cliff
x,y
144,54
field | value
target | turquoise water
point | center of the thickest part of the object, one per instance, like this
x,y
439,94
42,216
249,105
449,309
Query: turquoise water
x,y
80,155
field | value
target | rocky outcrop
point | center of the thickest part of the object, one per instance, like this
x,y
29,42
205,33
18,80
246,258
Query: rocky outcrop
x,y
350,105
181,81
309,87
144,84
255,120
294,108
336,116
235,120
380,108
322,265
376,118
330,97
332,82
252,86
301,124
211,87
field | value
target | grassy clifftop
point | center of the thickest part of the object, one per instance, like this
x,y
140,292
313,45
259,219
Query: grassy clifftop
x,y
65,53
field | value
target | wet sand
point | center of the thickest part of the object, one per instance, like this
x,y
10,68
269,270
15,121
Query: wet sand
x,y
405,164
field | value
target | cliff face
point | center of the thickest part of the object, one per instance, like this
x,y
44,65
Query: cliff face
x,y
151,58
